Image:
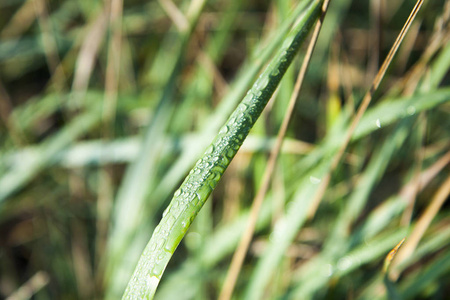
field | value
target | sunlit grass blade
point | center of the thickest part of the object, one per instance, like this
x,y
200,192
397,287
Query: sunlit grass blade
x,y
296,213
83,184
125,240
203,178
237,90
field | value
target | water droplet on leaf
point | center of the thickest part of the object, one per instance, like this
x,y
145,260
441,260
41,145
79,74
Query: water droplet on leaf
x,y
378,123
411,110
223,130
314,180
328,270
344,263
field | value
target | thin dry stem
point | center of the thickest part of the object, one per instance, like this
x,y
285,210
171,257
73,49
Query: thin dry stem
x,y
421,226
424,178
175,15
87,56
239,255
31,287
362,109
376,16
21,21
105,194
440,37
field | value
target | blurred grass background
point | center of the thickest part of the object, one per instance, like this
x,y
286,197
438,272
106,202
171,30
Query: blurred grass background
x,y
105,106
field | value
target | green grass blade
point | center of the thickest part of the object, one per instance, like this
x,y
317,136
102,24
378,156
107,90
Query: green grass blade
x,y
337,257
203,178
389,111
237,90
125,240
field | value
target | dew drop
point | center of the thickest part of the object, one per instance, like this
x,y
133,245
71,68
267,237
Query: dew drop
x,y
285,53
223,130
378,123
314,180
209,150
344,263
275,72
152,281
242,107
170,221
177,193
196,200
165,211
262,82
411,110
328,271
248,98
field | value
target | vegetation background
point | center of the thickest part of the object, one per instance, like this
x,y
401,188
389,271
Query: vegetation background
x,y
106,105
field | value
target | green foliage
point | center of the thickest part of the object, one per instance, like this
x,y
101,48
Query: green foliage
x,y
94,148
